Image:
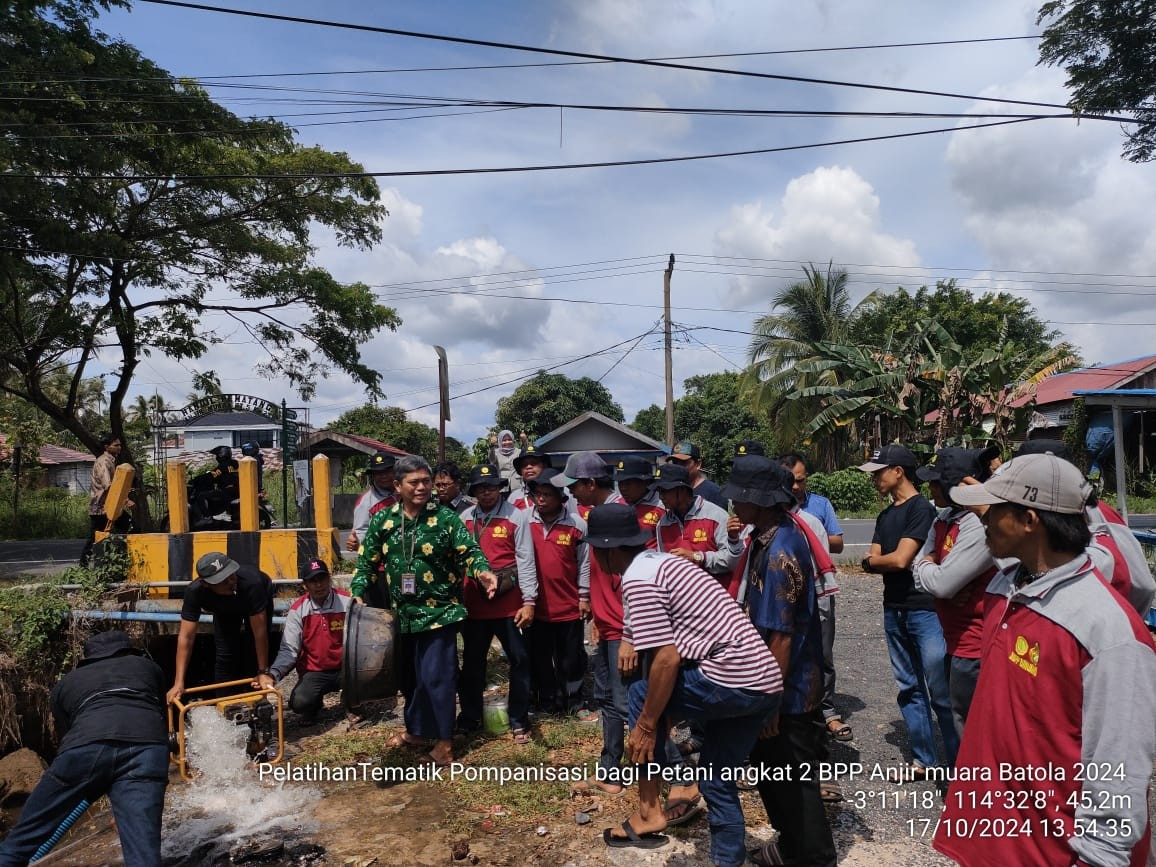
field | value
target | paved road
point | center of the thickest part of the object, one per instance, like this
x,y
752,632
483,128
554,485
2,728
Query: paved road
x,y
38,557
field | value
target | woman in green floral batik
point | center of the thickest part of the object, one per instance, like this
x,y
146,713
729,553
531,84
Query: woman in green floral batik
x,y
424,551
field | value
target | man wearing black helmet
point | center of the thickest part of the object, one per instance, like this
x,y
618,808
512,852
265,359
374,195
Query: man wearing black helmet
x,y
216,489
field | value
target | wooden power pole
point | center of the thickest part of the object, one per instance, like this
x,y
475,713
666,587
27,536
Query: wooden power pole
x,y
669,359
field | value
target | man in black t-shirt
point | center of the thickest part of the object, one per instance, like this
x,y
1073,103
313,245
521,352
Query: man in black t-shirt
x,y
240,598
110,717
914,635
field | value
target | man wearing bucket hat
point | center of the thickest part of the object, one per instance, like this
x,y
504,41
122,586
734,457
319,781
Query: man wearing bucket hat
x,y
528,464
110,717
914,637
783,604
240,598
1067,687
311,642
955,566
379,495
707,662
504,537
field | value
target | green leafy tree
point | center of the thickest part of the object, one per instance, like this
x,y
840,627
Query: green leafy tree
x,y
390,425
972,321
134,205
549,400
1106,47
651,421
926,390
814,310
712,415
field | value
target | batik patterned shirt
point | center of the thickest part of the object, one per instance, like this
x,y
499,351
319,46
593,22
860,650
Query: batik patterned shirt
x,y
436,548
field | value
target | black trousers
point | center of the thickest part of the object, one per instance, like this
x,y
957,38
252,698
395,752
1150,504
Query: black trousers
x,y
477,635
309,693
236,653
795,807
558,659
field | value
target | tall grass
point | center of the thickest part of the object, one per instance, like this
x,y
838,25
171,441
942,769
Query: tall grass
x,y
43,513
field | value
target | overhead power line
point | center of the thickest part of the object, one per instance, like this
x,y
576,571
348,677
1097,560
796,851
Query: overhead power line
x,y
518,169
480,67
585,55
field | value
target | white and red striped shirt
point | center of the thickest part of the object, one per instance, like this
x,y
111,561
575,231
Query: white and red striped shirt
x,y
669,600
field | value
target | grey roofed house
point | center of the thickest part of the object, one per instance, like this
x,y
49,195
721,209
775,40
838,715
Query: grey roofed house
x,y
593,432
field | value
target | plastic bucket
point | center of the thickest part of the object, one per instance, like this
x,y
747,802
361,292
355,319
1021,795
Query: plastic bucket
x,y
369,655
495,718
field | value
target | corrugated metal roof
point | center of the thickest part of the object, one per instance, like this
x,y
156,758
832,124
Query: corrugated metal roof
x,y
1063,386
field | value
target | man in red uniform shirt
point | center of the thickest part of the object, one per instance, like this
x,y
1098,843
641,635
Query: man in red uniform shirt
x,y
635,479
504,537
1058,751
311,643
696,529
562,560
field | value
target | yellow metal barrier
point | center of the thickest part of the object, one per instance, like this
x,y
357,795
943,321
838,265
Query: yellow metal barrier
x,y
279,553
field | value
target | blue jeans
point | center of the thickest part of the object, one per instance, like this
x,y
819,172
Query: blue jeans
x,y
133,776
610,697
919,661
731,721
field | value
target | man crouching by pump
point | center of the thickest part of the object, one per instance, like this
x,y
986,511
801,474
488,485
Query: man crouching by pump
x,y
707,663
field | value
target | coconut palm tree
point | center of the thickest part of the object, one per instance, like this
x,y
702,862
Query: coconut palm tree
x,y
815,310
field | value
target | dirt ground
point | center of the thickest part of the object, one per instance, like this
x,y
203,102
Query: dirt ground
x,y
360,822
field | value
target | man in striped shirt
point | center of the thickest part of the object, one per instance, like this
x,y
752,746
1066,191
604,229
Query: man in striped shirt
x,y
707,662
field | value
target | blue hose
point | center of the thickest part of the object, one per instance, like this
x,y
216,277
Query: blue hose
x,y
69,821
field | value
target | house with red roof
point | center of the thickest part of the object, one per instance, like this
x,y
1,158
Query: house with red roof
x,y
1056,395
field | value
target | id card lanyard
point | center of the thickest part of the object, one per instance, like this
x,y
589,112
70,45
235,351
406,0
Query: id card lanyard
x,y
408,579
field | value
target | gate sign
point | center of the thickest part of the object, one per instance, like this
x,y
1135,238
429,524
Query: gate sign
x,y
224,403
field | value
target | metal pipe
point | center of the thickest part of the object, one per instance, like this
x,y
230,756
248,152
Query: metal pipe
x,y
145,616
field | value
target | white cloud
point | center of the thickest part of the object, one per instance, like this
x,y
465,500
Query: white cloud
x,y
1055,196
830,213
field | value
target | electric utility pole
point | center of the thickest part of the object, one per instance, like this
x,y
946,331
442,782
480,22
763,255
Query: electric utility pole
x,y
669,359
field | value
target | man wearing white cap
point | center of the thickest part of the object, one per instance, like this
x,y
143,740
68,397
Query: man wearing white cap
x,y
1062,715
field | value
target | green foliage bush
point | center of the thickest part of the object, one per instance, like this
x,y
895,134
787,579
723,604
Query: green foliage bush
x,y
45,513
848,490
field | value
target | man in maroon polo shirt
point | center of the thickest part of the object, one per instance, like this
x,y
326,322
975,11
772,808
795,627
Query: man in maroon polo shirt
x,y
1058,750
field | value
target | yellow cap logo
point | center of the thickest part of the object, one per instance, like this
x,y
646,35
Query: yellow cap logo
x,y
622,465
485,471
742,450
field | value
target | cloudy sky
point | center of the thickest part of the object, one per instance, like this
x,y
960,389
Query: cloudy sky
x,y
512,272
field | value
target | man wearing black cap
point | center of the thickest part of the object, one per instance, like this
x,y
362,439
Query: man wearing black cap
x,y
380,494
240,598
694,528
110,716
504,537
783,604
955,566
635,478
311,643
914,637
687,455
707,662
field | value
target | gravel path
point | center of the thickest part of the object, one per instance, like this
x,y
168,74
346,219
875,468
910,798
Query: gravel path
x,y
879,822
